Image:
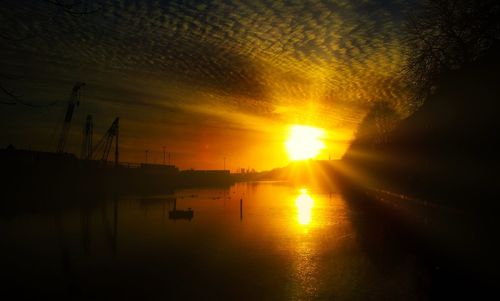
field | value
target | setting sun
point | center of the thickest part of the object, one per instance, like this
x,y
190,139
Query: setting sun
x,y
304,142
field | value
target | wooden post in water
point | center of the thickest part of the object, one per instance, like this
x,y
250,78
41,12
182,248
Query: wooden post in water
x,y
115,226
241,209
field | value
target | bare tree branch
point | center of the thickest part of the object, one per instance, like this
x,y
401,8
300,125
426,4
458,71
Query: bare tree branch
x,y
445,35
10,94
71,7
77,8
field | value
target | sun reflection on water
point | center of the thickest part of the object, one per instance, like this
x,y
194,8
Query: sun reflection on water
x,y
304,204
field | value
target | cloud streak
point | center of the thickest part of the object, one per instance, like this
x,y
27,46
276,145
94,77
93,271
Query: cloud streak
x,y
268,60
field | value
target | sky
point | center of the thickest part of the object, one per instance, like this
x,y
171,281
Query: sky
x,y
210,81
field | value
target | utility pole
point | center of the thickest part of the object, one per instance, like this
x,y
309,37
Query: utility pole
x,y
117,132
147,153
224,163
164,155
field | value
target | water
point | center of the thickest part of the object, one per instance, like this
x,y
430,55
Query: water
x,y
285,243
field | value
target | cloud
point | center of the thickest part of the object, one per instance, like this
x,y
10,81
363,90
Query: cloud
x,y
267,59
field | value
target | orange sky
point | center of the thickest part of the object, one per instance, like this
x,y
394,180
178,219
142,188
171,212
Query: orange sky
x,y
211,81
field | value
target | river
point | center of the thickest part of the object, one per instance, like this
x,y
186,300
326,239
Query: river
x,y
252,241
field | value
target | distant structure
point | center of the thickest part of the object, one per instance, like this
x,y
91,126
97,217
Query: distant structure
x,y
45,172
88,131
73,103
104,145
163,155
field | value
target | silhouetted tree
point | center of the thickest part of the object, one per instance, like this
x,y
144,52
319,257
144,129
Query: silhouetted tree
x,y
445,35
377,124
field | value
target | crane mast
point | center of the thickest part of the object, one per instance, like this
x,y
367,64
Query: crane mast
x,y
73,102
104,145
88,130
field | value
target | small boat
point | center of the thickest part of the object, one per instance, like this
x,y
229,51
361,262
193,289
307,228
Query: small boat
x,y
181,214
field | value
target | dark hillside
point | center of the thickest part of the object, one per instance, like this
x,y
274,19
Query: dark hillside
x,y
446,151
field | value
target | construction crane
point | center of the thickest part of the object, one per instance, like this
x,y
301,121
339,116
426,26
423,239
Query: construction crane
x,y
73,103
104,145
88,130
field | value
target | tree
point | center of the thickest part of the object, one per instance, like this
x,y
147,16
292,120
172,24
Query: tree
x,y
376,126
445,35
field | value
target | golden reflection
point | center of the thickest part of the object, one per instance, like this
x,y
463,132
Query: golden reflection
x,y
304,205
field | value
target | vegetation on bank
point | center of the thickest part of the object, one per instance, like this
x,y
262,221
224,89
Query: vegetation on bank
x,y
446,150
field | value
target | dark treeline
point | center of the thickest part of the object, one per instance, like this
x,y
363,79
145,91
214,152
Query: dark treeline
x,y
444,154
445,151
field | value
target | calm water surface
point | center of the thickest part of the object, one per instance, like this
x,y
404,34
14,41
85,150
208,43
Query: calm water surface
x,y
284,243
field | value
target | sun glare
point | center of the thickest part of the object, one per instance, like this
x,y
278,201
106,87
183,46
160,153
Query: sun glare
x,y
304,142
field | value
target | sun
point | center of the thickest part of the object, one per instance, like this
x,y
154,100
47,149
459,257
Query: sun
x,y
304,142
